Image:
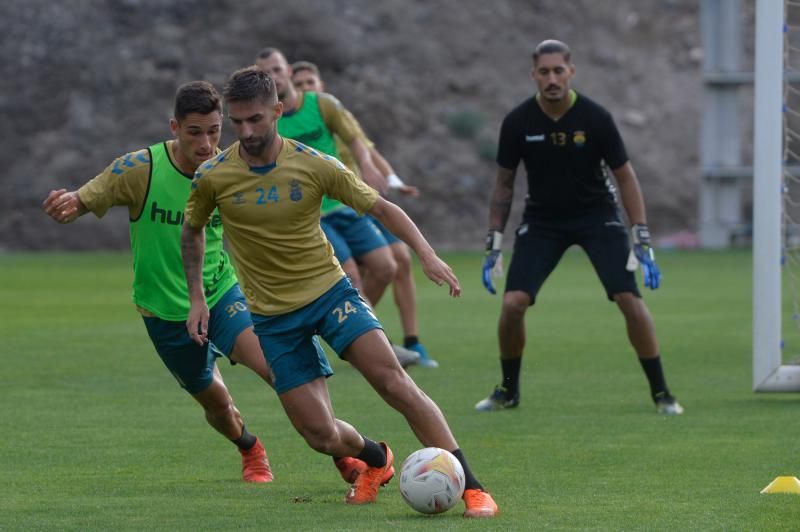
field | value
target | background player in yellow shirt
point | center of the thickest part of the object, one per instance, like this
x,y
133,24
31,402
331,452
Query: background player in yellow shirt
x,y
269,191
153,184
306,77
317,120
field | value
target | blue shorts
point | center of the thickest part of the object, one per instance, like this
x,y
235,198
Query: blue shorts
x,y
390,238
351,235
339,316
192,364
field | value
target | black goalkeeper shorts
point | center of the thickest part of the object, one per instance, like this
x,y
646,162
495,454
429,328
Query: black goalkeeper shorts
x,y
540,244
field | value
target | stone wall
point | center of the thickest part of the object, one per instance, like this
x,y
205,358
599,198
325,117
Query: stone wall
x,y
86,81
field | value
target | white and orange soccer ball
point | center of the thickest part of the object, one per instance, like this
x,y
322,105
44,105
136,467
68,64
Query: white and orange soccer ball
x,y
431,480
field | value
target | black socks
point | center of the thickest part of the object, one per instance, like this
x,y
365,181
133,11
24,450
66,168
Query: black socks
x,y
372,453
655,375
246,441
470,482
511,368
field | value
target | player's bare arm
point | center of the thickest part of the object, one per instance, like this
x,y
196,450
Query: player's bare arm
x,y
369,172
392,181
502,198
64,207
193,248
341,122
398,222
630,193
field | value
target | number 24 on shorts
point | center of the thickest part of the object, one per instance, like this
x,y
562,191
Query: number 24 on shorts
x,y
342,312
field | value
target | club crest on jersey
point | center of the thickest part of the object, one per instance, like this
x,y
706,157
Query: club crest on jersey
x,y
579,138
295,192
238,198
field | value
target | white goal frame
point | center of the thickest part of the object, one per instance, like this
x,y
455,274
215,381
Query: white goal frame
x,y
769,372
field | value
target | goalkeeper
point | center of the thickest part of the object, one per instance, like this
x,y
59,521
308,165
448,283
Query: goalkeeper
x,y
564,138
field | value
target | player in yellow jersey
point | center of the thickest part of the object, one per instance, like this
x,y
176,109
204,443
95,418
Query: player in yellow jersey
x,y
318,120
153,184
306,77
269,190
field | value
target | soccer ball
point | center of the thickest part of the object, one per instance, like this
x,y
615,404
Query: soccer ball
x,y
431,480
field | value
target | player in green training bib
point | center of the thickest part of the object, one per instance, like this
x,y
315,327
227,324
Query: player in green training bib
x,y
268,191
306,78
153,184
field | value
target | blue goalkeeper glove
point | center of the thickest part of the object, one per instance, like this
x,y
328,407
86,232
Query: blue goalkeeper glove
x,y
493,262
642,254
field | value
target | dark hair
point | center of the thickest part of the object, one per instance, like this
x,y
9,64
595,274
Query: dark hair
x,y
196,97
299,66
266,52
249,84
551,46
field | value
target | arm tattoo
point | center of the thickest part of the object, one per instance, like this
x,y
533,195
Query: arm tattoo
x,y
193,245
502,198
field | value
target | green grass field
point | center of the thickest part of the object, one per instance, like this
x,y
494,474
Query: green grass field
x,y
97,435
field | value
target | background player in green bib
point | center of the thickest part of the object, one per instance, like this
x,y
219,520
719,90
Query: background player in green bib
x,y
317,120
268,190
306,78
566,141
154,184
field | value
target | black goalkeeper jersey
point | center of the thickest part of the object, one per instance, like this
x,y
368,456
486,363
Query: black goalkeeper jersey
x,y
564,157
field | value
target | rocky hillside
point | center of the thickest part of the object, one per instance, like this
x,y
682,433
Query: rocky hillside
x,y
430,81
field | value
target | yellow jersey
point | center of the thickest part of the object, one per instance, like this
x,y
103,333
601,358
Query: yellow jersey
x,y
123,182
271,220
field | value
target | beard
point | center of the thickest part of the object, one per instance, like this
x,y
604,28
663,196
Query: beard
x,y
553,93
255,146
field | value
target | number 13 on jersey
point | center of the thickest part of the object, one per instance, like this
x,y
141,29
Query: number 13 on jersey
x,y
558,138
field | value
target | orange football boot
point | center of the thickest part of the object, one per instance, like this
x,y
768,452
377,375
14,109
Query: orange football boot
x,y
350,468
365,488
255,464
479,504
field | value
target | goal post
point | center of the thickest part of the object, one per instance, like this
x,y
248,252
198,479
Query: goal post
x,y
769,372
